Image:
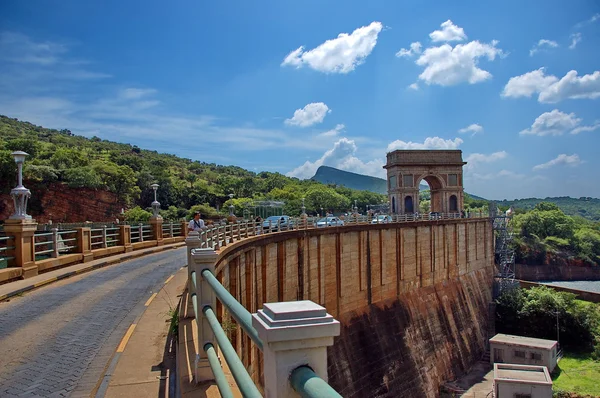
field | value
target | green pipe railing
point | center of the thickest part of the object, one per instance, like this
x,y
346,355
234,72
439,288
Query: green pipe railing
x,y
239,372
306,383
237,311
217,370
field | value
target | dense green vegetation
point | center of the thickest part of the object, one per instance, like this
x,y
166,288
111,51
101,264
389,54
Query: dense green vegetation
x,y
61,157
330,175
537,312
584,207
546,235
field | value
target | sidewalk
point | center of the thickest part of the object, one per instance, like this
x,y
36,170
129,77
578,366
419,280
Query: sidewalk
x,y
16,288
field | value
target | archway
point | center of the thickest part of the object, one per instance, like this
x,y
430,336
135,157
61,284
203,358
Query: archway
x,y
408,205
431,201
393,205
453,204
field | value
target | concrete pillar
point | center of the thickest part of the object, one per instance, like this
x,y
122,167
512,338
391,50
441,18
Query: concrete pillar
x,y
84,243
293,333
156,222
204,259
23,231
184,229
125,237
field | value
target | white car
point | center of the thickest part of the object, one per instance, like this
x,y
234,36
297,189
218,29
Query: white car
x,y
382,219
329,222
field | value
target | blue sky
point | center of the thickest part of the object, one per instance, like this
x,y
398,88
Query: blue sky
x,y
288,86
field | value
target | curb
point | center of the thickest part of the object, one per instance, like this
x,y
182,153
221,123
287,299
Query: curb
x,y
102,264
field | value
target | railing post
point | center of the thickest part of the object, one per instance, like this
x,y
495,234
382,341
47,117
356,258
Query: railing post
x,y
125,237
171,229
141,229
23,231
55,242
104,244
84,243
156,222
294,333
204,259
184,229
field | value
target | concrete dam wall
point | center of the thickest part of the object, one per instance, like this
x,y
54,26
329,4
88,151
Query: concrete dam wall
x,y
412,298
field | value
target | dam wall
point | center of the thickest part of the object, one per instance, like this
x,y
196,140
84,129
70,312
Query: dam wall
x,y
411,297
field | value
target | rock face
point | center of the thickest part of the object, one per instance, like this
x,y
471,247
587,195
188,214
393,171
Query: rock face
x,y
59,203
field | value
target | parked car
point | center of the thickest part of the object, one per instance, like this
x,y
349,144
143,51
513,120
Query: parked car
x,y
434,215
329,222
381,219
277,223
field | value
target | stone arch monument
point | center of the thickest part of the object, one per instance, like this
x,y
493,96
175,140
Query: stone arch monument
x,y
441,169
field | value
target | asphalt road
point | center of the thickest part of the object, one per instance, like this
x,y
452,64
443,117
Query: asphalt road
x,y
57,341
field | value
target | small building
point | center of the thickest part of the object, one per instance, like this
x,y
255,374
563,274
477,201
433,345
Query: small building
x,y
521,381
506,348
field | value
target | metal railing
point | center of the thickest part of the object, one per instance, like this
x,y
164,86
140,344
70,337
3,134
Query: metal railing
x,y
303,379
6,250
55,243
104,237
141,233
171,229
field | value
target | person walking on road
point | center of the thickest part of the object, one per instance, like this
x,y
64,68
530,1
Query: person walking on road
x,y
196,223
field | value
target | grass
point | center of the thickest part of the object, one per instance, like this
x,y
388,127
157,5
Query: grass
x,y
578,373
173,319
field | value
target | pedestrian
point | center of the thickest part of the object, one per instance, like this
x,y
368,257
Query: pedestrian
x,y
196,223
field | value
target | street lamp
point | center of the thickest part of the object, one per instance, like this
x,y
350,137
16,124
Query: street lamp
x,y
303,208
231,205
20,194
321,212
155,205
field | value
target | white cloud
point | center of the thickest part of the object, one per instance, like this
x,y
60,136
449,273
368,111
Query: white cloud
x,y
551,89
552,123
562,159
594,18
542,45
473,176
449,32
447,66
312,113
340,55
473,128
333,132
575,38
580,129
414,86
341,156
429,143
476,159
136,93
415,48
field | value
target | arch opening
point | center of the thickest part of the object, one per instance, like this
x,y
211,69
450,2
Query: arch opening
x,y
408,205
430,197
393,205
453,204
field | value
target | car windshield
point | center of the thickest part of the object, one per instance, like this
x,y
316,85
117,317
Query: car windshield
x,y
381,217
273,218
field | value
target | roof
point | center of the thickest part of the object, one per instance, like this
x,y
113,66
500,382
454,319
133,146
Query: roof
x,y
526,373
523,341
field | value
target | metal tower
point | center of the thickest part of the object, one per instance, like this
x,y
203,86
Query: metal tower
x,y
504,252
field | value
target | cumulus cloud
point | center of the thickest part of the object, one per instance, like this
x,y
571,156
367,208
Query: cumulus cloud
x,y
542,45
449,32
312,113
340,55
333,132
562,159
415,48
476,159
429,143
341,156
556,122
575,39
473,128
414,86
551,89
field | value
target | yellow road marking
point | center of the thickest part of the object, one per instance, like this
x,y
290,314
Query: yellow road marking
x,y
126,338
169,279
150,299
45,282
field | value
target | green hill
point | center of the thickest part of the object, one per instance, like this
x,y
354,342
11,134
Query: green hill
x,y
60,157
333,176
586,207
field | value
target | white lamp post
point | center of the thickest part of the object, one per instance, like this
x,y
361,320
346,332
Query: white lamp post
x,y
231,205
155,205
303,208
20,194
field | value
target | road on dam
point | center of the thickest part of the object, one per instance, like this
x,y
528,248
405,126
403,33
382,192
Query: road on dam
x,y
58,340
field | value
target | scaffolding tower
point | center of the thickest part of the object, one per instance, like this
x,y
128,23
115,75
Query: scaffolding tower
x,y
504,251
